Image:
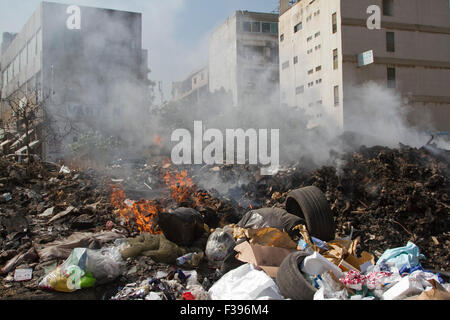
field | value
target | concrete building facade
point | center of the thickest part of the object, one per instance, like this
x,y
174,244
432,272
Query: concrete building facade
x,y
320,42
194,88
87,62
243,58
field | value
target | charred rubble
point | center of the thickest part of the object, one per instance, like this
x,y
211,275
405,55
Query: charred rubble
x,y
385,196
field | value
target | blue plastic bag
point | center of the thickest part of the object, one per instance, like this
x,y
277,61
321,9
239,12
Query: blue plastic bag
x,y
408,257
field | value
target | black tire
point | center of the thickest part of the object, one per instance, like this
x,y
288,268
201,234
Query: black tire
x,y
290,279
311,205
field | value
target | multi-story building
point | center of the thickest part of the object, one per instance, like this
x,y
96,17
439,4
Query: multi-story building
x,y
243,58
321,40
86,63
194,88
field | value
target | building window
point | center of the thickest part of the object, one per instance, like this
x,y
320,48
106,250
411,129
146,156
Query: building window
x,y
309,38
256,26
285,65
391,78
247,26
266,27
336,95
23,58
310,84
319,103
311,71
318,68
318,81
317,34
282,38
274,28
335,59
298,27
295,59
318,47
388,7
334,21
299,90
390,41
309,51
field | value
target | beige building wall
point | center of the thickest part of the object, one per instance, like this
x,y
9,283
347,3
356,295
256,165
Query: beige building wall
x,y
421,58
195,81
245,63
223,58
33,55
313,45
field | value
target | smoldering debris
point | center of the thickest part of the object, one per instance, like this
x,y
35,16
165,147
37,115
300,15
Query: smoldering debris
x,y
386,196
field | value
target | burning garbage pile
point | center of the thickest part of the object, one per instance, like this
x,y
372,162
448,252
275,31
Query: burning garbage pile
x,y
374,227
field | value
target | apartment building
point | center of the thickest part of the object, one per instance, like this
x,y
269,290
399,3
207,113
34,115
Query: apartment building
x,y
243,58
87,63
194,88
322,43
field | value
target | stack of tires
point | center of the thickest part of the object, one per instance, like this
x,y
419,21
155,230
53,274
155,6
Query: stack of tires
x,y
311,205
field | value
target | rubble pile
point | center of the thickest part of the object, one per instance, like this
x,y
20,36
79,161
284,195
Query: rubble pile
x,y
40,205
388,196
135,227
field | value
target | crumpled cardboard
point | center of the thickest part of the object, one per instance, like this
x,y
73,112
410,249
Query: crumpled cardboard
x,y
437,293
267,258
270,237
360,264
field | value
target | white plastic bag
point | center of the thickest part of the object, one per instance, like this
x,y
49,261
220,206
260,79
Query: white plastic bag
x,y
316,264
245,283
105,264
407,287
329,289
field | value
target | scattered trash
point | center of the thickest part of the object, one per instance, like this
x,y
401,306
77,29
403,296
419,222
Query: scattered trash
x,y
220,244
23,275
64,170
156,247
267,258
190,260
182,226
7,197
44,211
84,268
408,256
175,285
316,264
270,218
245,283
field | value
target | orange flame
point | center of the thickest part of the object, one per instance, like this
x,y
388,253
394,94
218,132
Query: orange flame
x,y
181,189
143,212
158,140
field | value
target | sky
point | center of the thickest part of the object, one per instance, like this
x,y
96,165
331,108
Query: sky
x,y
174,31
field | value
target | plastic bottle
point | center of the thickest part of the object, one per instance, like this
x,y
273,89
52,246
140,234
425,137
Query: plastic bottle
x,y
190,260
